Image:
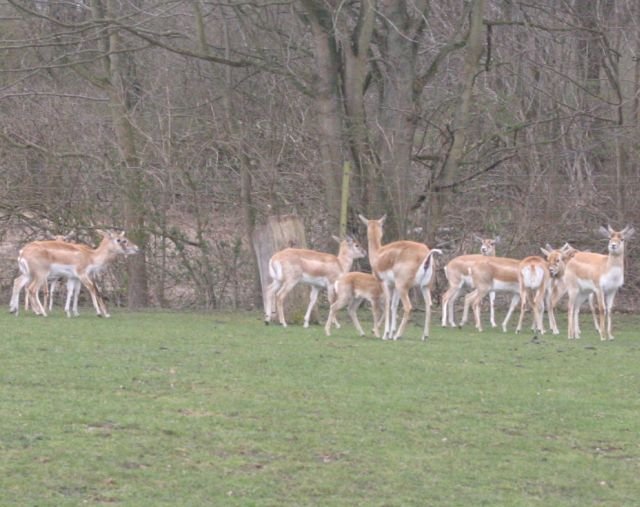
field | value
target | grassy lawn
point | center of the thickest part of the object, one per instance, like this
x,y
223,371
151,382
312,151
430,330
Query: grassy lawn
x,y
218,409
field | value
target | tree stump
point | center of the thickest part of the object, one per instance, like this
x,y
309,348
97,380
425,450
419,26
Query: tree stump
x,y
280,232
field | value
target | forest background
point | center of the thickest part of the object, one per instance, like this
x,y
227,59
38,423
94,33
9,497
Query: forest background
x,y
189,123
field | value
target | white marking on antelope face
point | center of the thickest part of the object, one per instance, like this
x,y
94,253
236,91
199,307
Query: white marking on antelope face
x,y
358,251
556,265
488,247
126,246
616,243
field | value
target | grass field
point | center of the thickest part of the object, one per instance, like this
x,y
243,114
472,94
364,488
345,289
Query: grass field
x,y
218,409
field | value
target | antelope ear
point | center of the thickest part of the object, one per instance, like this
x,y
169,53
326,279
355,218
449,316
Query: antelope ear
x,y
104,234
628,232
121,234
549,247
336,239
497,239
545,251
363,219
605,232
382,219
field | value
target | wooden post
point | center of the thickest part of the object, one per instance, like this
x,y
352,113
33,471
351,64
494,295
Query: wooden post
x,y
344,202
282,231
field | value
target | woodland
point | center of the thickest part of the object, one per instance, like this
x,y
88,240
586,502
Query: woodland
x,y
190,123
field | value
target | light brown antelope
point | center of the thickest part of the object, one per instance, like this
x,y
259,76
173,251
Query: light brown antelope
x,y
350,289
497,274
41,260
556,261
400,266
533,280
320,270
73,286
457,274
591,273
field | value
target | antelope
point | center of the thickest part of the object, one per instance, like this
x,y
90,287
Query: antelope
x,y
43,259
533,280
400,266
73,290
556,261
591,273
498,274
351,289
320,270
457,274
73,286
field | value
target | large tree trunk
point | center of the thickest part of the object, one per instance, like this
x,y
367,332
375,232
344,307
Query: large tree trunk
x,y
354,69
399,110
327,101
443,186
121,80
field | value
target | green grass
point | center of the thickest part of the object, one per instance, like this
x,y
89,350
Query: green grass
x,y
218,409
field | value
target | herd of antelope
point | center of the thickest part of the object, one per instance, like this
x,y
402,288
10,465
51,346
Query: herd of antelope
x,y
536,282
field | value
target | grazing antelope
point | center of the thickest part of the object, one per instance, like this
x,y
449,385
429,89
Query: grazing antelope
x,y
40,260
320,270
351,289
400,266
457,274
591,273
498,274
533,280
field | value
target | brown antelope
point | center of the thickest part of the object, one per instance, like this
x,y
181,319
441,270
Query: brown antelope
x,y
41,260
556,261
533,280
457,274
73,286
400,266
591,273
320,270
351,289
498,274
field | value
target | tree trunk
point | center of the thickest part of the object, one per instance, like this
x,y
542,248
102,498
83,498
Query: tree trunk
x,y
399,111
355,51
121,80
327,101
443,186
